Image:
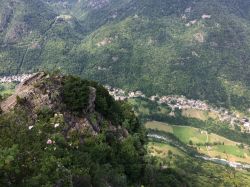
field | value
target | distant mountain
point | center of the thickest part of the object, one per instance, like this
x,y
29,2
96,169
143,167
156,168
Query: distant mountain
x,y
196,48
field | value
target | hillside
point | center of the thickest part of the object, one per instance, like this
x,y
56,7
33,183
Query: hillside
x,y
175,108
51,136
59,130
209,144
201,173
176,53
195,48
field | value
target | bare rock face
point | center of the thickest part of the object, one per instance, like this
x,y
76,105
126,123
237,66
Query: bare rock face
x,y
23,90
92,97
41,91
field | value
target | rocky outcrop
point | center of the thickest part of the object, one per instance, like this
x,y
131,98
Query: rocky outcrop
x,y
92,97
23,90
43,91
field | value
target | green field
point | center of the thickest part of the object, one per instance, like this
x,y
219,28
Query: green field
x,y
162,149
199,114
159,126
230,149
7,88
200,171
184,133
217,146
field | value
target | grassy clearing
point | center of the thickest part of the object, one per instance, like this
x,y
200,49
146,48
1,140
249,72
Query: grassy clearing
x,y
161,149
159,126
230,149
199,114
186,134
228,152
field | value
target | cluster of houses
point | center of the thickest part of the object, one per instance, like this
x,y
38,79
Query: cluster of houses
x,y
173,101
65,17
121,95
192,22
15,78
97,4
104,42
182,103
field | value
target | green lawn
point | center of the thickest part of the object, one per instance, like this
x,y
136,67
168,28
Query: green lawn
x,y
162,149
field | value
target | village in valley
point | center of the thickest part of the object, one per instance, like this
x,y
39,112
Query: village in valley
x,y
182,103
15,78
173,101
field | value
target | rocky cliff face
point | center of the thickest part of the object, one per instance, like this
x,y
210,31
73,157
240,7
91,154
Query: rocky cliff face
x,y
44,92
65,129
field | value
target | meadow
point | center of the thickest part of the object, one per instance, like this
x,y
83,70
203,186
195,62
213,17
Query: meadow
x,y
199,114
206,143
200,172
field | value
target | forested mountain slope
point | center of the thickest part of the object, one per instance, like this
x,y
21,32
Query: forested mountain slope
x,y
197,48
60,131
51,136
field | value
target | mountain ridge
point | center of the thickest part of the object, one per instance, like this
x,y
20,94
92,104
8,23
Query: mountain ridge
x,y
172,47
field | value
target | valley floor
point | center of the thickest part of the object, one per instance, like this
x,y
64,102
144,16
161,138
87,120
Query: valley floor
x,y
214,147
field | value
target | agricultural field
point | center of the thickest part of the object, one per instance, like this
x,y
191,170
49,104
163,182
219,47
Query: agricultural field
x,y
200,172
199,114
228,152
211,145
184,133
159,126
162,150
